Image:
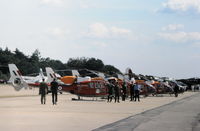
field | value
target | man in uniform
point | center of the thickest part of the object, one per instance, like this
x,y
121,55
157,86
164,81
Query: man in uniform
x,y
117,92
110,91
43,91
124,91
176,89
132,91
54,90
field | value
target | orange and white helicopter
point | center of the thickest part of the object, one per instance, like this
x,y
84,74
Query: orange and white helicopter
x,y
81,86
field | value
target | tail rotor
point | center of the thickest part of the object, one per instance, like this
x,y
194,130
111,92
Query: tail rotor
x,y
16,78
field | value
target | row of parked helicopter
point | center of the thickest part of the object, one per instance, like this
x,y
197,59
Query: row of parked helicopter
x,y
89,83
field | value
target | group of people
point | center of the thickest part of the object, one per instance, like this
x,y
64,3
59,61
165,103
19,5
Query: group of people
x,y
43,90
113,88
115,91
135,91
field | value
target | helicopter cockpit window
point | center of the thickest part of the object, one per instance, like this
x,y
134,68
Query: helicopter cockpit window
x,y
98,85
91,85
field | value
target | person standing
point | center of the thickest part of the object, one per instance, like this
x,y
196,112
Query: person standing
x,y
43,90
110,91
137,91
132,91
54,91
124,91
176,89
116,88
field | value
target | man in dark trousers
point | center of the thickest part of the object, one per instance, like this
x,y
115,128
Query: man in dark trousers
x,y
117,92
137,88
54,90
43,91
110,91
176,89
132,91
124,91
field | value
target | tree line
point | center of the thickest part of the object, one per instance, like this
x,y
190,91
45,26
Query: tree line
x,y
32,64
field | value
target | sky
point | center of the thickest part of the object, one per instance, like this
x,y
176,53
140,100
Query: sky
x,y
152,37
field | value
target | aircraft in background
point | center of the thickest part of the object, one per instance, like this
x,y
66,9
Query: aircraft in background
x,y
81,86
19,81
89,83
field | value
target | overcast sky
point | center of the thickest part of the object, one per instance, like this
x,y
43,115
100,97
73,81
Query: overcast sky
x,y
153,37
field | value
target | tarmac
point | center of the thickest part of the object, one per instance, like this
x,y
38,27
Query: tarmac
x,y
180,115
22,111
